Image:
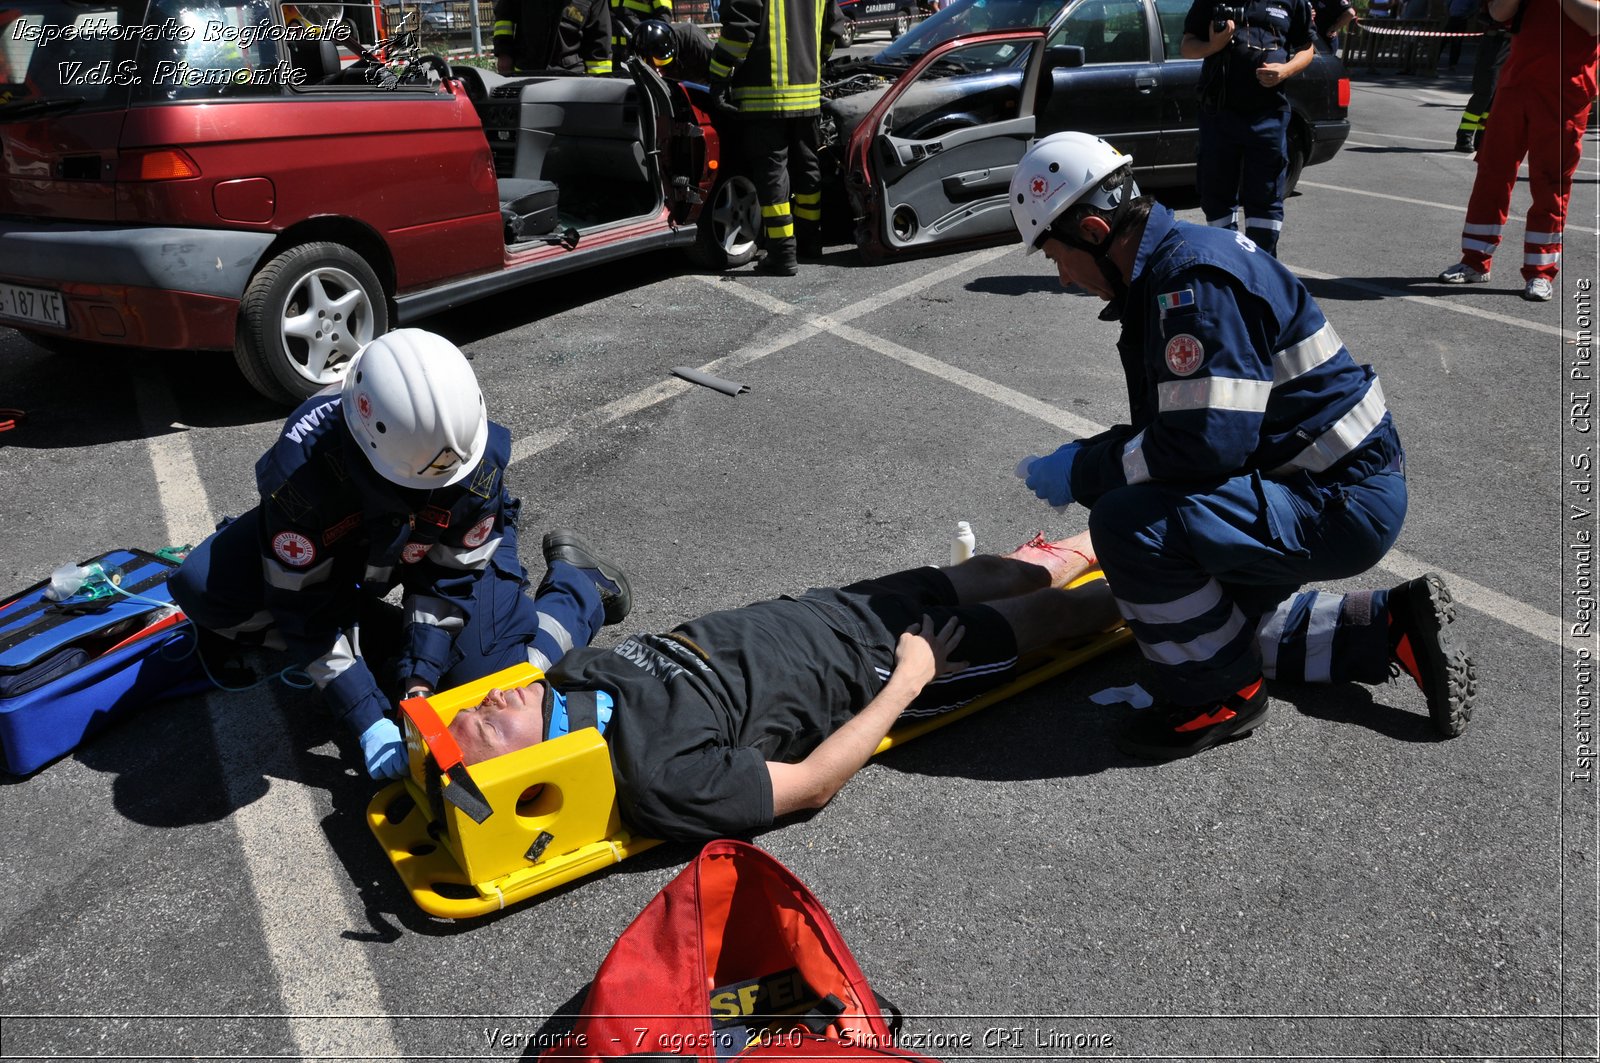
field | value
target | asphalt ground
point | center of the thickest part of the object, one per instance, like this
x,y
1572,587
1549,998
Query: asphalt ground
x,y
199,881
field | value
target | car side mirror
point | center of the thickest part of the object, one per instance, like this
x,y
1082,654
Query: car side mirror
x,y
1063,55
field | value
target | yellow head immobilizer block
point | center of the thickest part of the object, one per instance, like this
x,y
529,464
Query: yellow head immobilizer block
x,y
552,806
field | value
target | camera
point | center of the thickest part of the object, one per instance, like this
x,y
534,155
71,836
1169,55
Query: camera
x,y
1222,14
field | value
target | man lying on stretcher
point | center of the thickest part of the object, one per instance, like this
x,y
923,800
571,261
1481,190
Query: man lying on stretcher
x,y
731,720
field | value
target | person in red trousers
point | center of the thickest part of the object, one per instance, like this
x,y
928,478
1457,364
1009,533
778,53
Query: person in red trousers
x,y
1540,110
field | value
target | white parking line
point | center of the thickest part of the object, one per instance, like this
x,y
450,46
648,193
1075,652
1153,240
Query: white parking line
x,y
1454,208
297,893
528,446
1474,595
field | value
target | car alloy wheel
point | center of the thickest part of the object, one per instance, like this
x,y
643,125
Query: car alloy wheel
x,y
304,316
730,225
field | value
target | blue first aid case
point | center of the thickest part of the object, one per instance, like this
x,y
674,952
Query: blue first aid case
x,y
68,668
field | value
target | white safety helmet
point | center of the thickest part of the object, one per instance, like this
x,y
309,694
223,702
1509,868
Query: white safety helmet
x,y
1063,169
412,403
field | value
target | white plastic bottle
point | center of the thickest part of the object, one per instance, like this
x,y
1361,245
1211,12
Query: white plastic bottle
x,y
964,544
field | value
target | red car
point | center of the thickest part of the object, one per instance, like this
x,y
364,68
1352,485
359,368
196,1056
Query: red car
x,y
200,175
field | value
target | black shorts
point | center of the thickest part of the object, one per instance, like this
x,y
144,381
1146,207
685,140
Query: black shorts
x,y
874,613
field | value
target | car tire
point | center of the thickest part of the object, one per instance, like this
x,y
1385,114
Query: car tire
x,y
1299,150
848,37
303,317
902,22
730,225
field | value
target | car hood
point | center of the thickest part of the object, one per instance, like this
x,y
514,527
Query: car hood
x,y
854,88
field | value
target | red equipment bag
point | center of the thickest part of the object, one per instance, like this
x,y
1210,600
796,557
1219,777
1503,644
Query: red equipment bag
x,y
735,959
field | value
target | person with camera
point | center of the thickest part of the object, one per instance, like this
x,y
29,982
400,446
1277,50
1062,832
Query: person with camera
x,y
1250,49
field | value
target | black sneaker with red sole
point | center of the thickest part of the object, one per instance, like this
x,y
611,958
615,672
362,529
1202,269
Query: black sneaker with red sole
x,y
1169,732
1420,613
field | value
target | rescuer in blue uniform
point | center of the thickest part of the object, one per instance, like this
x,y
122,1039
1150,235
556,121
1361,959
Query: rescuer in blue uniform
x,y
1259,456
1243,161
397,478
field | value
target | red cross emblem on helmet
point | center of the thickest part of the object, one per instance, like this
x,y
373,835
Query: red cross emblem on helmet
x,y
1039,186
364,405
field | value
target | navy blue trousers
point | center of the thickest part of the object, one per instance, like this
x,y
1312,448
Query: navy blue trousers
x,y
1195,572
1243,165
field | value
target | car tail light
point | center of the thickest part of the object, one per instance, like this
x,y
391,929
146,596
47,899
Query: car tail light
x,y
163,164
1344,92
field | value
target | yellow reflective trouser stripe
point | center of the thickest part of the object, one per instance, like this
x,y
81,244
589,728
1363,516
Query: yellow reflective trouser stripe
x,y
777,221
505,28
808,206
597,66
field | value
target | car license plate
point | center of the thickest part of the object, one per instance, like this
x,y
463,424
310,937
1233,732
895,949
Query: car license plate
x,y
34,305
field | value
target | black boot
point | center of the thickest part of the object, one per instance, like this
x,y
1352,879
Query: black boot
x,y
616,596
808,238
782,259
1465,142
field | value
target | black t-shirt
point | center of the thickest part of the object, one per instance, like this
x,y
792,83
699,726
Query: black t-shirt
x,y
1273,30
699,712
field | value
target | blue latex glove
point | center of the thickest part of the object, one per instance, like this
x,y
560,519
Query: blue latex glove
x,y
1050,478
384,750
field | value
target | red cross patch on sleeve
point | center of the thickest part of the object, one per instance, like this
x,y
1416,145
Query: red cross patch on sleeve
x,y
294,549
479,533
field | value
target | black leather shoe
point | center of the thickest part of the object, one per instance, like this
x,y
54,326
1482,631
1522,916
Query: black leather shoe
x,y
616,596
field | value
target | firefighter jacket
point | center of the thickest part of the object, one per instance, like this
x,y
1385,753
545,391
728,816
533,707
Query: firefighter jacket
x,y
625,18
332,529
771,52
554,35
1231,370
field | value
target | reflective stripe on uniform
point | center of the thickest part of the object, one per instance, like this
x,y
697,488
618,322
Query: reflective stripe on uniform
x,y
1276,225
285,578
1320,627
1186,608
1482,229
1134,468
552,627
333,664
1532,237
808,205
1268,635
1532,258
462,558
1214,393
1298,359
1344,436
1200,648
505,28
1487,246
435,612
601,66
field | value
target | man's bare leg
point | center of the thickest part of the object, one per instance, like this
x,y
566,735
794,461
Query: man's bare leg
x,y
1030,567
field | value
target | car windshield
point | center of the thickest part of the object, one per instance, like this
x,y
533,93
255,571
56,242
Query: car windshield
x,y
60,55
968,16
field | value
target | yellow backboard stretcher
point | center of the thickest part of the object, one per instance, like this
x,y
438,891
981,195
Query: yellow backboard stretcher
x,y
554,806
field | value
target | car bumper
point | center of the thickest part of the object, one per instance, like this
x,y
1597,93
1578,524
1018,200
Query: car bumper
x,y
1327,138
161,287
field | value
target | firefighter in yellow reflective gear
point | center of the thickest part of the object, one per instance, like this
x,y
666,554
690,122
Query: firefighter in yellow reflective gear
x,y
767,66
534,35
625,18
